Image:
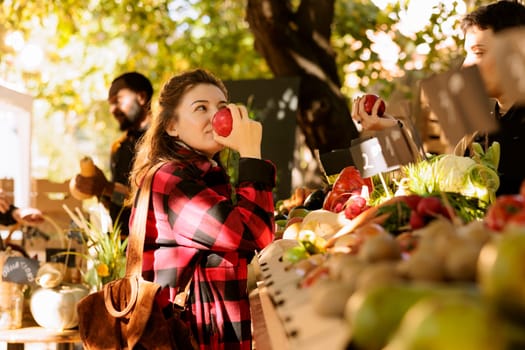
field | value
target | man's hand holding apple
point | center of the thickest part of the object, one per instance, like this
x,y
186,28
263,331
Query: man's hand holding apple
x,y
369,111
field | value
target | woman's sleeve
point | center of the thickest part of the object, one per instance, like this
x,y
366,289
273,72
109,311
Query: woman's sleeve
x,y
204,218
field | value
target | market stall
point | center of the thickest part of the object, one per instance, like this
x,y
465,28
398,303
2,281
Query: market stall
x,y
353,275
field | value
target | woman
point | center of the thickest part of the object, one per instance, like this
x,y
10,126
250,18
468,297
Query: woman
x,y
194,227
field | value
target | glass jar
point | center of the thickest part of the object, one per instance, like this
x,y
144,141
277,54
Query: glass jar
x,y
11,305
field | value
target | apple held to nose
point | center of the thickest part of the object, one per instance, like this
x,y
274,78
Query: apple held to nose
x,y
222,122
370,100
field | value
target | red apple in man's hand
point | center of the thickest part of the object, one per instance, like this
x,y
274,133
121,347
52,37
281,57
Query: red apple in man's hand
x,y
222,122
370,99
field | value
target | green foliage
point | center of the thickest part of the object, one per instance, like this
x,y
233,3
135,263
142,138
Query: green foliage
x,y
104,252
356,28
85,44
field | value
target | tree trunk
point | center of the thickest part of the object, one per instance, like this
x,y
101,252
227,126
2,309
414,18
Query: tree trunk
x,y
297,43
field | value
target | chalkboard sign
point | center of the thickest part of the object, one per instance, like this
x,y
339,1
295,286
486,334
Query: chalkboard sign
x,y
459,100
19,269
273,102
386,151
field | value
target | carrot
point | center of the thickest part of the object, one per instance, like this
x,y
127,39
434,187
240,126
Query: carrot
x,y
369,215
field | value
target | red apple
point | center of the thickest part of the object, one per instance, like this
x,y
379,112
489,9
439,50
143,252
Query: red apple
x,y
370,99
222,122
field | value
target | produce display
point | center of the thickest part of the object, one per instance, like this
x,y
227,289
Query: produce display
x,y
428,259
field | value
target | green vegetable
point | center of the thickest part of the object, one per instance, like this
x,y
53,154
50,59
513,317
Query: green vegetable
x,y
452,173
490,157
482,182
399,218
467,208
474,176
295,254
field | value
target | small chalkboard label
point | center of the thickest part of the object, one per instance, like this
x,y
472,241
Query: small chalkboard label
x,y
19,269
460,101
386,151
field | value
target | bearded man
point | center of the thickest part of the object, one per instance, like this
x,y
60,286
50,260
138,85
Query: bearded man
x,y
129,101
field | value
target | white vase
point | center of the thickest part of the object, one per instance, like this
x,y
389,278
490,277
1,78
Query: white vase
x,y
56,308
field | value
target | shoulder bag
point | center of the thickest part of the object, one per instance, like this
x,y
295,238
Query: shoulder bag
x,y
125,314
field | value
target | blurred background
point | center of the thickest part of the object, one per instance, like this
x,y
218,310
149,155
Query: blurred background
x,y
57,59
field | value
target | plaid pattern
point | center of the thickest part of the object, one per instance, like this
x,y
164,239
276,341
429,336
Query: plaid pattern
x,y
192,220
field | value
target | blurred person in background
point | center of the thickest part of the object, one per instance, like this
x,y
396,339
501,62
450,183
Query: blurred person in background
x,y
10,214
129,101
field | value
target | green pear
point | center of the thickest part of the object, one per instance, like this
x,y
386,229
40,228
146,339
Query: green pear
x,y
374,313
457,322
501,272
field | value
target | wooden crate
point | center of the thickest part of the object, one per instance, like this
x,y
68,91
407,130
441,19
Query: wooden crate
x,y
50,197
7,187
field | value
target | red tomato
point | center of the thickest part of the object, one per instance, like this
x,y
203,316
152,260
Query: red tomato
x,y
500,212
349,180
518,218
348,183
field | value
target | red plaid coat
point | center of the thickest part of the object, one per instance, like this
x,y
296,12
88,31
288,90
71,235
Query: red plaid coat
x,y
193,220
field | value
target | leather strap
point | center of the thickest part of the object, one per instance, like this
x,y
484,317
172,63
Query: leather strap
x,y
134,294
138,232
138,229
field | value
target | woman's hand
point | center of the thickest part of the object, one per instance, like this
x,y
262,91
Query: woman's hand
x,y
371,121
246,135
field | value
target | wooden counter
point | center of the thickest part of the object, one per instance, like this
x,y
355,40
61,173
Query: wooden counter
x,y
37,336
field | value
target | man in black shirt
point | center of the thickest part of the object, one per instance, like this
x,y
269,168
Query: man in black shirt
x,y
129,100
481,27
